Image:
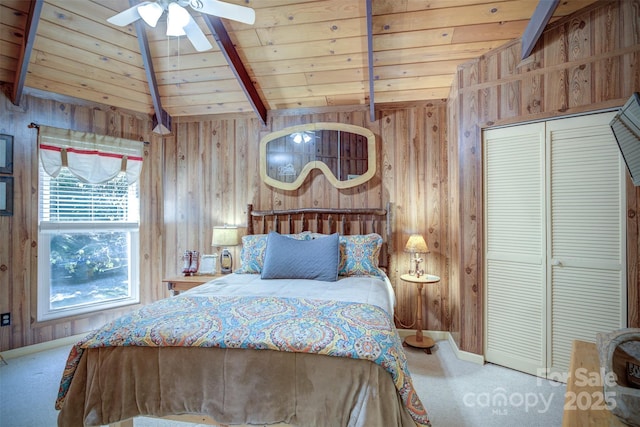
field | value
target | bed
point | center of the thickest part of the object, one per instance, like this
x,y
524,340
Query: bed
x,y
300,334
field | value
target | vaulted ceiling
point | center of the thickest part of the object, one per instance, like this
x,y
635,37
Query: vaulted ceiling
x,y
298,54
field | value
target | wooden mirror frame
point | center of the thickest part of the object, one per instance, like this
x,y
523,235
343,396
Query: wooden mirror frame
x,y
371,161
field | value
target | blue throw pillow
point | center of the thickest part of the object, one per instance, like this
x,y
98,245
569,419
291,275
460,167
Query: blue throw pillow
x,y
287,258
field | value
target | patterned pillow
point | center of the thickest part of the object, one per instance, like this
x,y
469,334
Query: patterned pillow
x,y
359,255
253,250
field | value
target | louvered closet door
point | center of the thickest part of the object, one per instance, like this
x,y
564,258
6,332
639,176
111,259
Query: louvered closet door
x,y
586,233
515,297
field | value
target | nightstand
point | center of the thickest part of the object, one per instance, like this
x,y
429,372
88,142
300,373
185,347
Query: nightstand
x,y
183,283
418,340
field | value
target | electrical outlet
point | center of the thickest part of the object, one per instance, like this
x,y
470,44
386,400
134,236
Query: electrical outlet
x,y
5,319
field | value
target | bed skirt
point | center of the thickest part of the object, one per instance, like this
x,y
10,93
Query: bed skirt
x,y
232,387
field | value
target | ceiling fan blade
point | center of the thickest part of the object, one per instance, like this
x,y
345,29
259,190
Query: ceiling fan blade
x,y
127,16
196,36
225,10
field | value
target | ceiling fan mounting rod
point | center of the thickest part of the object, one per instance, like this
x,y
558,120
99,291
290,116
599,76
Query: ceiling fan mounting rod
x,y
163,3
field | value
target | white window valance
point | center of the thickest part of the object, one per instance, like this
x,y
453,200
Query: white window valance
x,y
92,158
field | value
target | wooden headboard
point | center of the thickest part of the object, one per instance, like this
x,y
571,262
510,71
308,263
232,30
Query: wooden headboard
x,y
324,220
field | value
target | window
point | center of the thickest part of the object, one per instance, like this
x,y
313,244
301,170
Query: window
x,y
88,251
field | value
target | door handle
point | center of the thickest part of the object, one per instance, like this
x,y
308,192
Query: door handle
x,y
556,263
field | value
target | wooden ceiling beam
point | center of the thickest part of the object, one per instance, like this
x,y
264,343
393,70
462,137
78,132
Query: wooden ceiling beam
x,y
229,51
25,53
372,104
162,119
537,23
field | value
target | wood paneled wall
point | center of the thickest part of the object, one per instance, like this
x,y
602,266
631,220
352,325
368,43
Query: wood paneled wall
x,y
19,233
586,62
205,174
211,173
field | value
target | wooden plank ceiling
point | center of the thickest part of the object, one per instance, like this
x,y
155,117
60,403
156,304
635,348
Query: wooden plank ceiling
x,y
298,54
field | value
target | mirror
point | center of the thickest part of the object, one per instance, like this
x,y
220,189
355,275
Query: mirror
x,y
346,154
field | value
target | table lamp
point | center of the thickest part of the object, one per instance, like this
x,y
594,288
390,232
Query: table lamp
x,y
416,245
225,237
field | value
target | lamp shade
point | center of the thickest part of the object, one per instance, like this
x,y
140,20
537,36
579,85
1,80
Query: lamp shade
x,y
150,12
416,244
177,18
225,236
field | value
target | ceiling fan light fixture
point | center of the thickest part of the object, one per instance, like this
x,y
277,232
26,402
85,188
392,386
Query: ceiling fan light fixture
x,y
306,137
300,137
177,19
150,13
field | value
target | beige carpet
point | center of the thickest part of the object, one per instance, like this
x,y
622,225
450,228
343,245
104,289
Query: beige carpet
x,y
456,393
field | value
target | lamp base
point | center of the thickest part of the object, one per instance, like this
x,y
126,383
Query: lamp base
x,y
226,262
417,271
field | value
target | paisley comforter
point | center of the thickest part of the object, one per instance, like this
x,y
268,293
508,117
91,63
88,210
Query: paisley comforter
x,y
343,329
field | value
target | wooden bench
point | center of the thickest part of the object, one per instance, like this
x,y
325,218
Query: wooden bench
x,y
585,402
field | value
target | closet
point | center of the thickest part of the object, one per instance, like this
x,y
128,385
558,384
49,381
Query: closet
x,y
554,233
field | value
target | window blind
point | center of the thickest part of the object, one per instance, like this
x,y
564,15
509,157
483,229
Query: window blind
x,y
68,199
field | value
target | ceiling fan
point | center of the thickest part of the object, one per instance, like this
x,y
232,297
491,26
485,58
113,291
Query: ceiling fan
x,y
179,20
